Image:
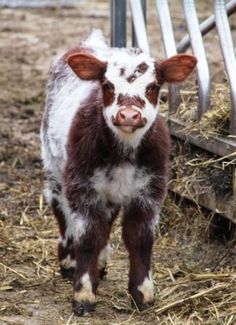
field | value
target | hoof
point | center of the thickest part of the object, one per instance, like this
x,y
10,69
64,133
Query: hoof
x,y
141,306
82,308
68,273
102,273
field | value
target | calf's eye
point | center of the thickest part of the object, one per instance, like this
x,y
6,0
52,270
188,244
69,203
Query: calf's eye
x,y
107,85
152,93
153,87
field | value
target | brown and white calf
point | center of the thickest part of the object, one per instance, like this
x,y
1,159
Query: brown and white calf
x,y
105,148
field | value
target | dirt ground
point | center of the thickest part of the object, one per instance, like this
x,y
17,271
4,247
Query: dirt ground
x,y
194,263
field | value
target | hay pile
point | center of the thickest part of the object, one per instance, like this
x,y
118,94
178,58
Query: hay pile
x,y
215,122
196,172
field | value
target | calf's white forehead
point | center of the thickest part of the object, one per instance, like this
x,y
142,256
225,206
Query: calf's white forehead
x,y
122,65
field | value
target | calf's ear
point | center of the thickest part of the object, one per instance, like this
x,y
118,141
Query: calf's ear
x,y
87,66
176,68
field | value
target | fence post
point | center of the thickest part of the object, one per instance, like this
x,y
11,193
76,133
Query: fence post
x,y
118,23
144,7
203,73
170,49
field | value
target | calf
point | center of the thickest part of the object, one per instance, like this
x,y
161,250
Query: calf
x,y
104,149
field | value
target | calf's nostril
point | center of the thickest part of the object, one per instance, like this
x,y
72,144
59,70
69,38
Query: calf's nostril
x,y
136,116
122,116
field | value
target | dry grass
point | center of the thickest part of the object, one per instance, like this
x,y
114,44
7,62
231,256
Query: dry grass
x,y
195,172
194,285
215,121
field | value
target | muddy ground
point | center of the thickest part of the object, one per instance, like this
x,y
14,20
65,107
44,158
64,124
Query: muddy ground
x,y
193,262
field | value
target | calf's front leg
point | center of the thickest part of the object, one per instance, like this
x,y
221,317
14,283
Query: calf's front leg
x,y
138,235
87,250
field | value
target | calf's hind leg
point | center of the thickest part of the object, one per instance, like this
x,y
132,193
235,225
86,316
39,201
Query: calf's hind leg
x,y
54,197
65,245
102,260
106,251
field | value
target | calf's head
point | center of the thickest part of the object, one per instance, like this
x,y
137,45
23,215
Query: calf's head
x,y
130,82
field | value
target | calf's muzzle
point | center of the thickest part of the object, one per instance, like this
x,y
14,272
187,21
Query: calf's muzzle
x,y
129,117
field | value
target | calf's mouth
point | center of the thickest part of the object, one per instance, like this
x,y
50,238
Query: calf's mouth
x,y
129,119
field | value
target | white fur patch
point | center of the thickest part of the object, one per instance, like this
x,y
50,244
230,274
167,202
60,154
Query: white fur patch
x,y
85,293
121,185
64,97
96,42
156,219
76,226
147,289
68,262
48,194
103,256
65,100
75,223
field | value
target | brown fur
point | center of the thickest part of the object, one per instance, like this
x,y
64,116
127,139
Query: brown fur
x,y
87,66
125,100
152,93
142,67
108,92
176,68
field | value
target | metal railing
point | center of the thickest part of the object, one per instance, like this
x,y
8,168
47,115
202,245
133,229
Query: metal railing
x,y
195,39
222,146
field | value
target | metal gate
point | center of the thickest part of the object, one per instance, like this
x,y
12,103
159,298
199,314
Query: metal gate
x,y
223,146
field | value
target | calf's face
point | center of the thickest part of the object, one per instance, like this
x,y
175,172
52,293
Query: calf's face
x,y
130,82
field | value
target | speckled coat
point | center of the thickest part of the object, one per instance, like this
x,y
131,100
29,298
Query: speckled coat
x,y
106,149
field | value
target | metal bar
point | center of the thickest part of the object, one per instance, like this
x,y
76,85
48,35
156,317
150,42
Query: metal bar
x,y
220,146
227,49
144,7
205,27
118,23
166,27
199,51
170,49
139,25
